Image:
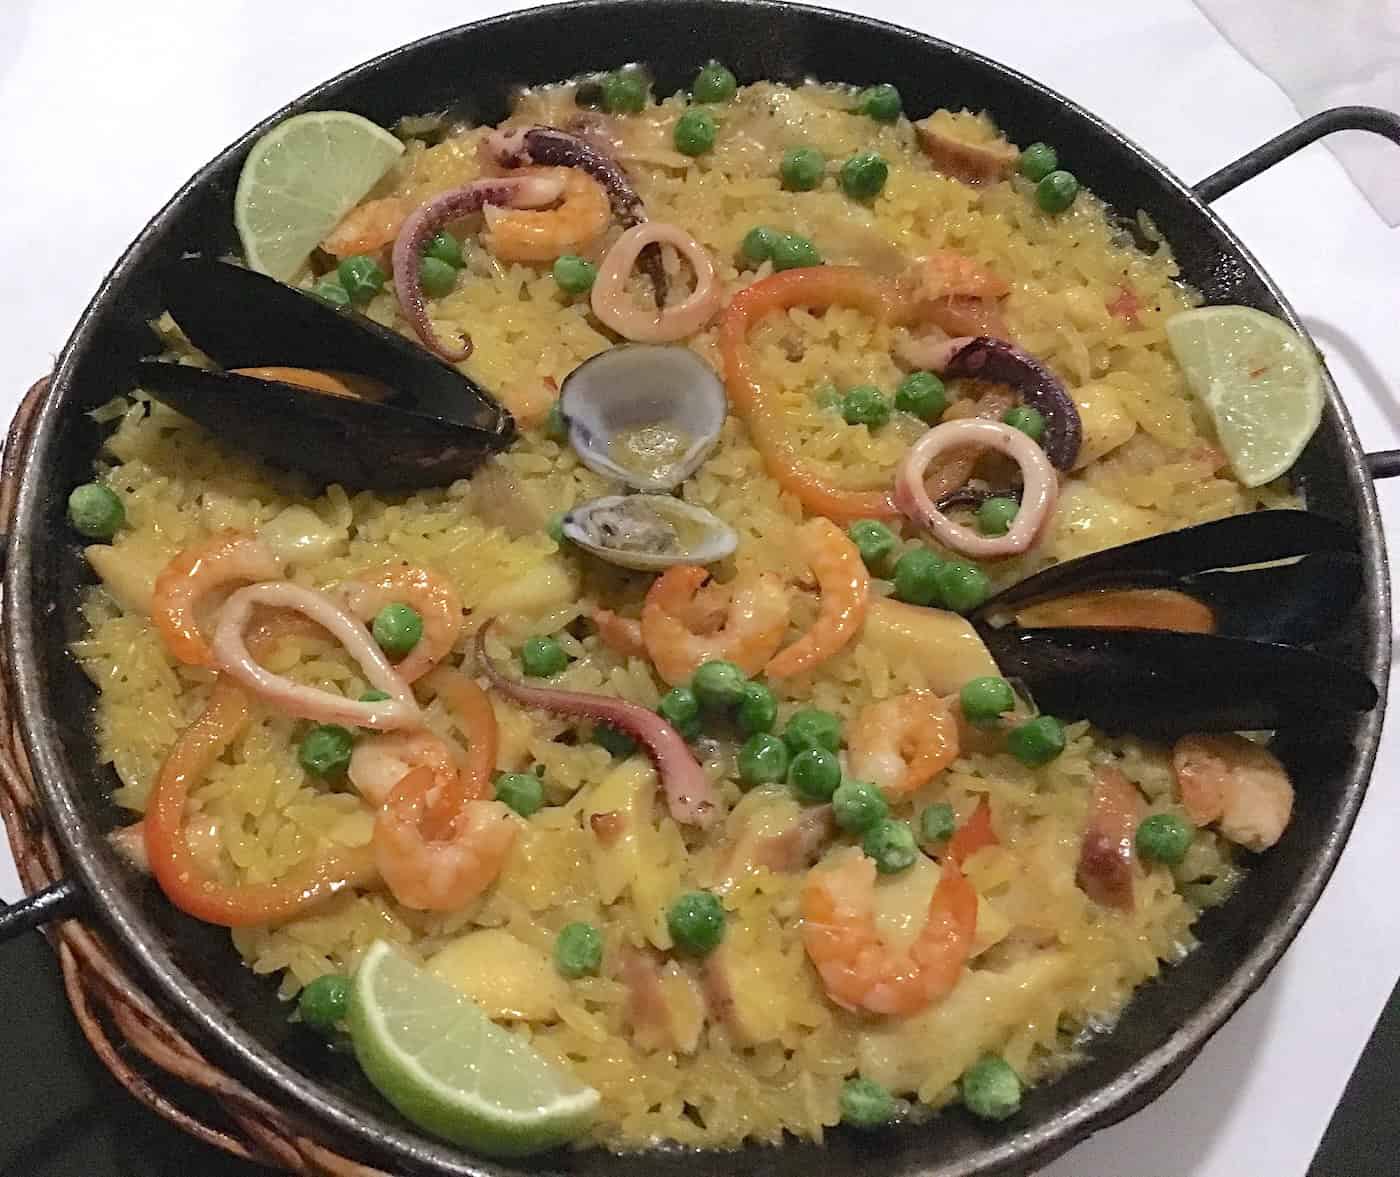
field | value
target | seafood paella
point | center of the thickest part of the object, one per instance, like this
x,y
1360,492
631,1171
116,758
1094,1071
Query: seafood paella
x,y
701,618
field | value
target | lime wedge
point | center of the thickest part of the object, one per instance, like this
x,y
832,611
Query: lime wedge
x,y
1260,380
445,1065
300,179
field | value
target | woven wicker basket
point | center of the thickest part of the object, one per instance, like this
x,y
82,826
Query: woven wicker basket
x,y
139,1045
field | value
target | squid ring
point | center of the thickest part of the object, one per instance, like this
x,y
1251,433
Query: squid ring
x,y
648,325
1040,486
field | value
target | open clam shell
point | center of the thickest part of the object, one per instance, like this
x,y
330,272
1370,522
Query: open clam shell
x,y
432,426
649,533
645,415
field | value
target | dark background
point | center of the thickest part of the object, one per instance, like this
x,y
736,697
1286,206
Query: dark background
x,y
62,1115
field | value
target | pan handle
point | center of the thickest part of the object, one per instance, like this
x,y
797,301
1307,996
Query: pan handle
x,y
56,901
1385,463
1280,147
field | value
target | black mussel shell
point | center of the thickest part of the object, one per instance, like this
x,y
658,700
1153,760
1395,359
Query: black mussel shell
x,y
1283,602
1156,683
434,426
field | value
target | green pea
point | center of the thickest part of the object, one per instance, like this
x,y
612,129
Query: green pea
x,y
95,511
864,175
374,695
923,395
802,168
624,92
757,710
792,251
962,586
542,657
331,292
619,744
866,1104
521,791
991,1090
324,1003
681,709
1163,837
1028,420
983,699
554,528
361,277
882,103
995,516
763,760
695,132
814,774
858,805
397,628
696,923
446,248
1056,192
718,684
574,274
891,844
438,278
1038,741
325,750
714,83
1038,161
556,426
865,405
758,244
916,577
812,727
578,950
873,540
937,824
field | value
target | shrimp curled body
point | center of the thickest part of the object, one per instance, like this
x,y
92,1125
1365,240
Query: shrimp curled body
x,y
859,970
439,874
541,235
1236,783
435,601
225,559
845,590
754,623
901,744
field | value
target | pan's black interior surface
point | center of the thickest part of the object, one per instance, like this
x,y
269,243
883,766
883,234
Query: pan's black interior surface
x,y
235,1015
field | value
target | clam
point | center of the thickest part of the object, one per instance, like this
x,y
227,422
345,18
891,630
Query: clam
x,y
645,415
649,532
324,391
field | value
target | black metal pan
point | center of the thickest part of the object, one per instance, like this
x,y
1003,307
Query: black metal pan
x,y
193,969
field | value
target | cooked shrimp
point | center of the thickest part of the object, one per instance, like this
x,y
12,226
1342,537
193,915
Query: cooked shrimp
x,y
434,599
946,273
369,227
845,588
227,558
378,764
1236,783
541,235
439,874
860,971
621,635
902,743
754,622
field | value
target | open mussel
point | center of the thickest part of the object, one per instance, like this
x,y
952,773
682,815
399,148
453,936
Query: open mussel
x,y
334,395
1156,683
1274,576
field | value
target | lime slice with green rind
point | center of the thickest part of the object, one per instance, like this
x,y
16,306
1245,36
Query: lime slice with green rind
x,y
300,179
1260,381
435,1056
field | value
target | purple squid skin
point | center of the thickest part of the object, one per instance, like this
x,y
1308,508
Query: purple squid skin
x,y
552,147
989,358
975,496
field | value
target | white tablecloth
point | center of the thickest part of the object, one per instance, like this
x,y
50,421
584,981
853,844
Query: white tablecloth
x,y
110,106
